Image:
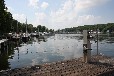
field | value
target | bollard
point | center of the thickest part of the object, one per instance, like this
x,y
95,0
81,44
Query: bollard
x,y
86,46
0,45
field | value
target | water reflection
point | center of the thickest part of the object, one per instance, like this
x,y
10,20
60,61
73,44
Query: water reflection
x,y
50,49
7,53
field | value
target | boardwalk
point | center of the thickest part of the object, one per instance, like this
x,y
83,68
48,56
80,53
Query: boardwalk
x,y
100,66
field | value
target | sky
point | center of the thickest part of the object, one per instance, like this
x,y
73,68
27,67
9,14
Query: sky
x,y
60,14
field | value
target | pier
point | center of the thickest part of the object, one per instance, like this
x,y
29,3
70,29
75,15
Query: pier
x,y
3,44
99,66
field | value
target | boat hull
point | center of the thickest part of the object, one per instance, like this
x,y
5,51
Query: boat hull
x,y
25,39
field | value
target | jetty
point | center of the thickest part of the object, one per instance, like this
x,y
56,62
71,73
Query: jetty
x,y
3,43
99,66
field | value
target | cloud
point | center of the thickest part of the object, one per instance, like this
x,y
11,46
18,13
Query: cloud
x,y
40,16
68,15
44,5
19,17
45,59
40,19
34,62
89,19
71,8
10,9
33,3
63,13
84,4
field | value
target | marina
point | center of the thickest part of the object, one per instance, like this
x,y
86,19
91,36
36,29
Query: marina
x,y
32,54
56,38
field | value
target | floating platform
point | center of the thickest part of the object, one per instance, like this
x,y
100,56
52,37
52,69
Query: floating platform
x,y
99,66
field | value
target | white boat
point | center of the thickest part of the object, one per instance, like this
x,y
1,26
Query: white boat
x,y
15,36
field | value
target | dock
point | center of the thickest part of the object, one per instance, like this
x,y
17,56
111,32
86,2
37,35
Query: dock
x,y
3,43
99,66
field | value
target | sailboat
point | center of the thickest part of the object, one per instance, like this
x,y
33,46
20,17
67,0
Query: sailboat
x,y
37,34
25,36
16,36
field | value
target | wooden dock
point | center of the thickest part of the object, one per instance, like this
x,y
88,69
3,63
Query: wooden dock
x,y
99,66
3,43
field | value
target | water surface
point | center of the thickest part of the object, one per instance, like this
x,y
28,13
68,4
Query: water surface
x,y
51,49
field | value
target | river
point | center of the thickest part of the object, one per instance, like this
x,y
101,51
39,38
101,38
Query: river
x,y
51,49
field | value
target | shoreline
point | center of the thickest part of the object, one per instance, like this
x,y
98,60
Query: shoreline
x,y
99,65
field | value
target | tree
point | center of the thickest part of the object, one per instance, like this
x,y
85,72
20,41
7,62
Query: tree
x,y
8,20
2,16
5,18
40,28
51,30
29,28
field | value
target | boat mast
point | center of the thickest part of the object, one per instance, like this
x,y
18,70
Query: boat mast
x,y
38,31
26,28
17,29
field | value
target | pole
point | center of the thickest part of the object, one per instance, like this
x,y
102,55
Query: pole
x,y
38,31
17,30
17,26
26,28
0,30
97,40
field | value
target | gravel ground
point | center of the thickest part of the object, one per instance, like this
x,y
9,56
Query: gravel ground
x,y
99,66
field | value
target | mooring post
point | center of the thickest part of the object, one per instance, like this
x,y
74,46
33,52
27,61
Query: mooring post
x,y
0,48
97,41
86,46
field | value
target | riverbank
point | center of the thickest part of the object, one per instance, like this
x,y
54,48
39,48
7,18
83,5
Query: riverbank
x,y
100,65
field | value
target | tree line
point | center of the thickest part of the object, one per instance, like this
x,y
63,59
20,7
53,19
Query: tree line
x,y
101,27
8,24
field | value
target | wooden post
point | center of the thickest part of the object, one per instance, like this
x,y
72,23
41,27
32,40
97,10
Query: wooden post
x,y
86,47
97,41
0,48
0,45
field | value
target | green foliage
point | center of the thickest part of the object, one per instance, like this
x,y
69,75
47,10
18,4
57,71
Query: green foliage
x,y
102,28
8,24
5,18
43,29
